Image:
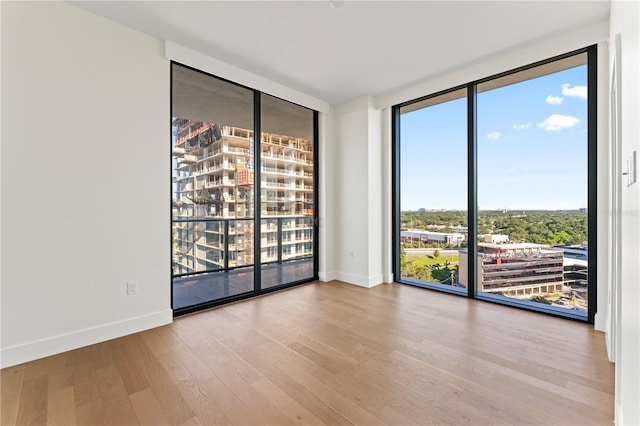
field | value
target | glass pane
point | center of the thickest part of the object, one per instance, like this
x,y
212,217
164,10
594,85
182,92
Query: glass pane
x,y
532,186
433,193
286,192
212,159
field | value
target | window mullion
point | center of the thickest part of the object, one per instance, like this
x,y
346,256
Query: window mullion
x,y
257,207
472,190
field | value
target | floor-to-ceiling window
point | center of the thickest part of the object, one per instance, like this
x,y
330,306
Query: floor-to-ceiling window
x,y
433,189
243,208
495,188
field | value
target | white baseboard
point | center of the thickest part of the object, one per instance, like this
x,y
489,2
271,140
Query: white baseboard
x,y
41,348
359,280
608,339
600,322
327,276
376,280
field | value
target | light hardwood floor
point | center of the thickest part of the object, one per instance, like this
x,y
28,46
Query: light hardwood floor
x,y
328,354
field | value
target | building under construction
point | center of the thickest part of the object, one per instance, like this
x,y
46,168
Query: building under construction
x,y
214,181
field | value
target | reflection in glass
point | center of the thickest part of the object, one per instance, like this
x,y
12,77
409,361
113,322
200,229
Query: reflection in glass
x,y
213,206
286,192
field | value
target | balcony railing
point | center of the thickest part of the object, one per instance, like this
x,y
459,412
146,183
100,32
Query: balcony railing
x,y
281,157
284,172
222,244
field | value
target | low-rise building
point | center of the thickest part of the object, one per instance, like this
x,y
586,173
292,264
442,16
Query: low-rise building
x,y
429,237
515,269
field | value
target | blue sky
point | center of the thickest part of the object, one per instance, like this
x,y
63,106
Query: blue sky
x,y
532,148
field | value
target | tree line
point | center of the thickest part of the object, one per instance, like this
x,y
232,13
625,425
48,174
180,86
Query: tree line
x,y
549,227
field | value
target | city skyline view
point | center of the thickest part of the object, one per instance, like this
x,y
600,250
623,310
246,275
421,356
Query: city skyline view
x,y
531,142
531,162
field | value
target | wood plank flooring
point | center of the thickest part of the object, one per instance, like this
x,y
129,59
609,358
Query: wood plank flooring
x,y
332,354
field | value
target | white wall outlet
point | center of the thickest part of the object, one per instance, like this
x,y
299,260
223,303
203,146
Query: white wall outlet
x,y
132,288
631,169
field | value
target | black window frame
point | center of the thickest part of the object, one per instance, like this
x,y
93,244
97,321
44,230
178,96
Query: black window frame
x,y
472,194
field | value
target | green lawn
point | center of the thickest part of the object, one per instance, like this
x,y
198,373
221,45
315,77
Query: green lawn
x,y
421,261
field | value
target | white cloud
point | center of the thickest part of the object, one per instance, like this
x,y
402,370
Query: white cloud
x,y
494,136
522,126
558,122
578,91
554,100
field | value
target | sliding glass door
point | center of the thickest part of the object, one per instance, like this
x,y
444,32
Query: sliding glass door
x,y
495,194
243,209
287,197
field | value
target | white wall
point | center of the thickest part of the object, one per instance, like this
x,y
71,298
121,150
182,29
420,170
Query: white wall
x,y
85,180
625,17
326,194
375,192
354,162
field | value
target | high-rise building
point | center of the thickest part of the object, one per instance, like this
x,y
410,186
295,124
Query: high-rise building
x,y
214,180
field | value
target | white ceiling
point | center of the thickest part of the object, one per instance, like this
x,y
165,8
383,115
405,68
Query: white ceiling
x,y
360,48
